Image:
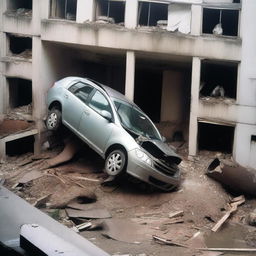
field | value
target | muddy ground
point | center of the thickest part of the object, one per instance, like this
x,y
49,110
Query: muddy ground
x,y
137,212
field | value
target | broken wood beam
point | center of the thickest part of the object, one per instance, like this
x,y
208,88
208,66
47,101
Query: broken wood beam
x,y
168,241
176,214
228,249
233,208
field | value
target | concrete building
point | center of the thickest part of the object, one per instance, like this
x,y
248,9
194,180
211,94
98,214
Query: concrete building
x,y
167,55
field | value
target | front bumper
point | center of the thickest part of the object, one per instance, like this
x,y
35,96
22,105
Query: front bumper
x,y
150,174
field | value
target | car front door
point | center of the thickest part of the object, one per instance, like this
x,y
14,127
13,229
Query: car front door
x,y
74,104
93,125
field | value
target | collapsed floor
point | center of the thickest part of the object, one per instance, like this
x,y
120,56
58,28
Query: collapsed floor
x,y
129,212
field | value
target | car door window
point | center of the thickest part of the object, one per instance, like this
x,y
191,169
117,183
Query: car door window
x,y
81,91
99,102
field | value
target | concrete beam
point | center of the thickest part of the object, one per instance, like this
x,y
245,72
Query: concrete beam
x,y
109,36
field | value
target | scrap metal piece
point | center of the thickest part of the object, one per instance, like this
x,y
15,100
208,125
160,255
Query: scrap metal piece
x,y
233,176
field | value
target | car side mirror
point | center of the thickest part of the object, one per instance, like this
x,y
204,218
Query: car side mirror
x,y
107,115
163,139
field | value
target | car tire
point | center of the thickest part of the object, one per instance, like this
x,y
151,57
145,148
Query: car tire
x,y
115,164
53,120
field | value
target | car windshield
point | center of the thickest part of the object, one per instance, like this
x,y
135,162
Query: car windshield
x,y
135,120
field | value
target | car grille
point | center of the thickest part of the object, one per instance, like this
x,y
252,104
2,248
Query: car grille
x,y
167,170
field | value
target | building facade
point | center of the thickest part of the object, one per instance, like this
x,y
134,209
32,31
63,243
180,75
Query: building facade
x,y
189,64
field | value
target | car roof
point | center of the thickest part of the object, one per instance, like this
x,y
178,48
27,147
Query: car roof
x,y
111,92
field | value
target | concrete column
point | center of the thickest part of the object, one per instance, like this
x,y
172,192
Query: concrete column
x,y
40,85
130,74
193,124
3,52
196,19
85,10
131,14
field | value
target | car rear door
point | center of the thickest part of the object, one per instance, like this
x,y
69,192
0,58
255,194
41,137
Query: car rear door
x,y
96,128
74,103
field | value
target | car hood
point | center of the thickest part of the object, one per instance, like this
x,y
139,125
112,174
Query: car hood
x,y
160,150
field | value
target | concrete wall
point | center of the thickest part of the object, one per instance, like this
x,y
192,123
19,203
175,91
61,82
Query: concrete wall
x,y
172,96
18,68
244,151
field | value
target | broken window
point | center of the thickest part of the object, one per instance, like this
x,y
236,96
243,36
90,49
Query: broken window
x,y
150,14
111,11
20,146
63,9
218,79
19,4
20,92
20,45
220,21
215,137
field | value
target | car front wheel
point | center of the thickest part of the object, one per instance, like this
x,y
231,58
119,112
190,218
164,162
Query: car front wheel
x,y
115,163
53,120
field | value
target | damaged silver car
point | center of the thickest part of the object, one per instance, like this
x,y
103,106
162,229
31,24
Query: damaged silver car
x,y
116,128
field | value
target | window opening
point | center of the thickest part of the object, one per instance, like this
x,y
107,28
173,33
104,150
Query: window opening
x,y
218,79
63,9
253,138
20,92
150,14
20,5
220,21
20,146
215,137
111,11
20,45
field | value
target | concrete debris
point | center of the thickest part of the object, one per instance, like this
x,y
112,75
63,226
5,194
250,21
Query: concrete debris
x,y
233,176
123,230
32,175
20,113
252,218
218,30
105,19
89,214
218,91
41,202
233,207
19,12
162,24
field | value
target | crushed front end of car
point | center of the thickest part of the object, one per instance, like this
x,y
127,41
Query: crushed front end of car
x,y
155,163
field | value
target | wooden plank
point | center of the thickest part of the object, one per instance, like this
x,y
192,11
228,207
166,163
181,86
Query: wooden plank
x,y
227,214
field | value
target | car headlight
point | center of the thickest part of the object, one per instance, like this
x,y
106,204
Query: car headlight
x,y
143,157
